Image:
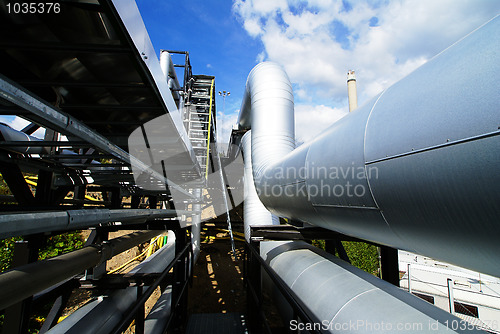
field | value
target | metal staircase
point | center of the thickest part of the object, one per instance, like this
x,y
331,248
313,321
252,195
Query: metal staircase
x,y
199,119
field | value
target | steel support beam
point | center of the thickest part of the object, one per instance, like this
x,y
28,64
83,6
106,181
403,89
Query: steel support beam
x,y
54,47
55,312
181,275
15,224
92,84
72,107
290,232
17,185
69,125
44,195
45,143
30,128
390,265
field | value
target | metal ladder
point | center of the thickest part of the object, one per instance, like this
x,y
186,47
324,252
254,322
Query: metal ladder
x,y
198,118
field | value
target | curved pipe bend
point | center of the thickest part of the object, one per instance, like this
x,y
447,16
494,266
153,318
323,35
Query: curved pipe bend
x,y
268,108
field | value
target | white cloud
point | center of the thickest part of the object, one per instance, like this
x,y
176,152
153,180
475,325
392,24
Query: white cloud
x,y
311,120
260,57
225,124
260,7
209,65
252,27
318,41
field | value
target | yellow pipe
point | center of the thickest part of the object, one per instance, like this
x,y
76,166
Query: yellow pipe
x,y
209,126
150,251
91,198
28,181
127,263
151,246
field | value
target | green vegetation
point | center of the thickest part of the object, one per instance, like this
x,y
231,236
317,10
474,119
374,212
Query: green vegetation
x,y
61,244
7,252
362,255
4,189
55,245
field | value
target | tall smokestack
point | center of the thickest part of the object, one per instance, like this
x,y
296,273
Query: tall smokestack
x,y
351,91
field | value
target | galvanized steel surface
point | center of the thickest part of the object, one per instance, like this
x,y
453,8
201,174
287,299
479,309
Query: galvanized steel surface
x,y
347,299
416,168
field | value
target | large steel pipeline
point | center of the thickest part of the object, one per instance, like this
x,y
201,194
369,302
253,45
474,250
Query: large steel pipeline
x,y
9,134
25,281
416,168
337,296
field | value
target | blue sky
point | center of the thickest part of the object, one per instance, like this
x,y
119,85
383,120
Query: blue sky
x,y
215,38
316,41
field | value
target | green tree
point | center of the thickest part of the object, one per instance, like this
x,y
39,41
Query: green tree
x,y
362,255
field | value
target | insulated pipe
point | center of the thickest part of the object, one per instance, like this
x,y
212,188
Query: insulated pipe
x,y
344,298
268,89
254,212
25,281
334,292
155,322
9,134
416,168
103,314
15,224
168,69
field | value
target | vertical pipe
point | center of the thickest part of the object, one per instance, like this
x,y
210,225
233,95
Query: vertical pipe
x,y
268,88
254,212
196,225
451,299
167,67
409,278
164,63
351,90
